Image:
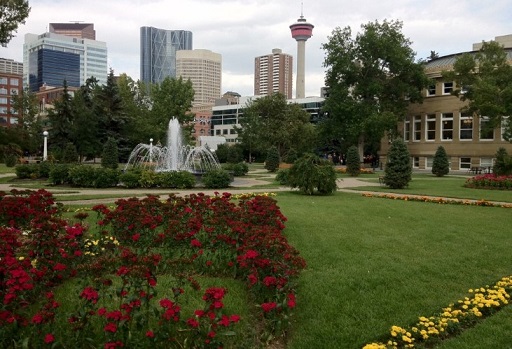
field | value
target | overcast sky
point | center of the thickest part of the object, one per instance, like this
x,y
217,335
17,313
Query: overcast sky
x,y
241,30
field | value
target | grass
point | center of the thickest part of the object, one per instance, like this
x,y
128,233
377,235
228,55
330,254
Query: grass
x,y
5,169
374,263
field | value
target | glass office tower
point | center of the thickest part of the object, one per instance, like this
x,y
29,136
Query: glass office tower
x,y
158,52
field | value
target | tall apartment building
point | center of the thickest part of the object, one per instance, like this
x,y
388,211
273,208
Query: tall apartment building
x,y
204,69
158,49
273,73
10,85
77,30
49,59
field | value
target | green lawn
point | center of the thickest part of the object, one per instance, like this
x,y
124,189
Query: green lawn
x,y
374,263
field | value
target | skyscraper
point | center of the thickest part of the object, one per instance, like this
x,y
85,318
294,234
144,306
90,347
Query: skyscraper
x,y
301,31
204,69
77,30
158,52
273,73
49,59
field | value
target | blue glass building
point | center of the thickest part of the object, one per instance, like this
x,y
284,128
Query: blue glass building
x,y
158,52
52,67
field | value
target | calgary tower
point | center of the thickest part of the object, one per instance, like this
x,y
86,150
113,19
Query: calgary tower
x,y
301,31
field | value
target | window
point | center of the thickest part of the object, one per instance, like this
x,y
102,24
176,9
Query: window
x,y
3,81
447,126
486,130
447,88
217,132
505,123
416,162
417,128
407,131
13,120
466,127
430,161
431,127
431,90
486,162
15,81
14,91
464,163
225,131
3,100
3,91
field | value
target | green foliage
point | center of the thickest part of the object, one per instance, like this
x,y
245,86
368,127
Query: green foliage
x,y
110,157
148,179
353,161
61,118
312,174
398,171
272,159
222,152
11,153
238,169
82,176
291,156
10,160
59,174
176,179
106,177
70,154
130,179
27,171
441,164
282,176
368,75
12,14
484,80
235,154
216,179
503,164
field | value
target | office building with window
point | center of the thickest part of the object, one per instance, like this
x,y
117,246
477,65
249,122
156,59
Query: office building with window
x,y
49,59
273,73
438,121
10,85
158,49
76,30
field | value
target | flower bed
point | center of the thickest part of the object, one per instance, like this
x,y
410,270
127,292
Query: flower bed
x,y
438,200
480,303
489,181
117,269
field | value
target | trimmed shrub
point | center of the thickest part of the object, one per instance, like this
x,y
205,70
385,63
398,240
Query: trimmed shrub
x,y
70,154
240,169
216,179
110,155
353,161
440,165
45,168
312,174
176,179
106,177
59,174
130,179
282,176
148,179
10,160
503,164
27,171
398,171
272,160
82,176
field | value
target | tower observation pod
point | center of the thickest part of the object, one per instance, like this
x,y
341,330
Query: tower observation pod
x,y
301,31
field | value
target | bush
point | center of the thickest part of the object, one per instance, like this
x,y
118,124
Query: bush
x,y
130,179
353,161
27,171
503,164
240,169
311,174
148,179
222,152
235,154
282,176
110,155
59,174
398,171
292,156
45,168
216,179
82,176
10,160
176,179
272,160
70,155
105,177
441,165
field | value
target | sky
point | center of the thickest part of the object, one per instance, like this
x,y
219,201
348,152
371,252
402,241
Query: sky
x,y
241,30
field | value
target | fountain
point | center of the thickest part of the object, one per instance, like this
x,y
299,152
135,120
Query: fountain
x,y
174,156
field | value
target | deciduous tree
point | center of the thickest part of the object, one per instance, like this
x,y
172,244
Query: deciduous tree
x,y
12,14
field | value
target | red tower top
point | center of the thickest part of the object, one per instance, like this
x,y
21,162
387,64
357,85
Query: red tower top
x,y
302,30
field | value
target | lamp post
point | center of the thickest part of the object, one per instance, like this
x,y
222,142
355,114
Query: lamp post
x,y
45,146
151,150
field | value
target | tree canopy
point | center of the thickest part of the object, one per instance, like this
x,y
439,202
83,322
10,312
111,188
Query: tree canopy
x,y
12,14
371,79
484,80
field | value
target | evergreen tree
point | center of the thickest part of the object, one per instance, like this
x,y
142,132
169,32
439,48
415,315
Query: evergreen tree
x,y
272,159
110,156
503,164
61,121
441,165
70,154
353,162
397,174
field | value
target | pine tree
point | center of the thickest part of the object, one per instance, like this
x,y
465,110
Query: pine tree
x,y
353,162
397,174
70,154
110,156
503,163
441,165
272,159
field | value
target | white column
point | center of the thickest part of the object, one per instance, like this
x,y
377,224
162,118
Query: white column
x,y
301,68
45,146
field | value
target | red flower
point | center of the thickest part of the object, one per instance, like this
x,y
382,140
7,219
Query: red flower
x,y
49,338
199,313
193,323
37,319
251,254
224,321
291,300
196,243
59,267
211,334
90,294
150,334
268,306
234,318
136,237
111,327
269,281
122,271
